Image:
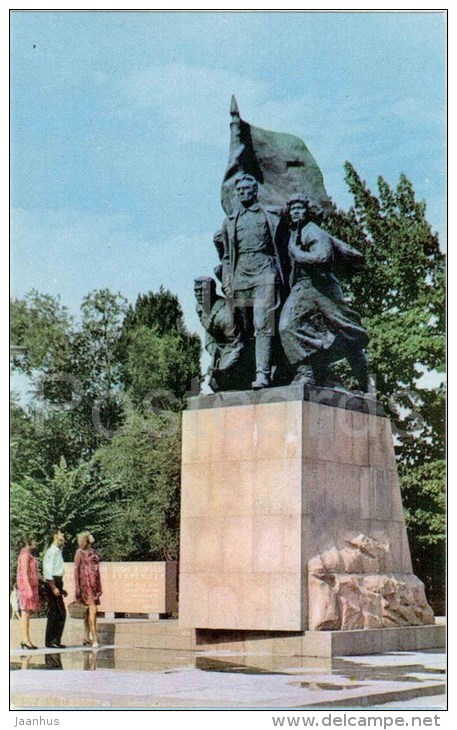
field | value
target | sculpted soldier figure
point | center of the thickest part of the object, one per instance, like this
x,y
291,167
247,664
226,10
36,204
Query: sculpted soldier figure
x,y
223,339
317,326
252,273
272,260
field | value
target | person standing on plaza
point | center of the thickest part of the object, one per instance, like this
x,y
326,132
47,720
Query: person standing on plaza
x,y
27,586
14,603
88,587
53,572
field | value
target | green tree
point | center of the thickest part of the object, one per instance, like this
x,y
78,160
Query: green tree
x,y
402,303
158,365
157,351
96,365
40,334
123,376
160,311
95,345
75,372
42,349
424,500
74,499
142,465
26,457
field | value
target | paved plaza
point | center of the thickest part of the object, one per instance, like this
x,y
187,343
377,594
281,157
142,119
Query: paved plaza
x,y
148,677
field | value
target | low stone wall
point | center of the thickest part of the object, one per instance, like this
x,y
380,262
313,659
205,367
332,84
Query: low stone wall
x,y
133,587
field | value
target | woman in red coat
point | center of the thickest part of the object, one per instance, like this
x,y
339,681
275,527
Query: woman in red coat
x,y
88,587
27,586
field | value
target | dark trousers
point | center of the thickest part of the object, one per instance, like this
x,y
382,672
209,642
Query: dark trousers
x,y
56,614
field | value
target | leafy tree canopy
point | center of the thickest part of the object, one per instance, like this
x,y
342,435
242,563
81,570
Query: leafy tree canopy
x,y
74,499
402,303
40,333
105,385
142,463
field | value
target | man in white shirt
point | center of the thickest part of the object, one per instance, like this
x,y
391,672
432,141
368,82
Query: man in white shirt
x,y
53,572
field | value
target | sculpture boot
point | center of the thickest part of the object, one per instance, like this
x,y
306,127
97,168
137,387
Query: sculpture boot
x,y
263,360
305,375
359,366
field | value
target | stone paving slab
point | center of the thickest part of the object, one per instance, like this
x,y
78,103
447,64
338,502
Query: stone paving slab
x,y
436,702
230,681
183,689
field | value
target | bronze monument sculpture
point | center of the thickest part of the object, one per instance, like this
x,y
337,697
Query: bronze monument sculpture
x,y
291,511
251,272
284,317
317,326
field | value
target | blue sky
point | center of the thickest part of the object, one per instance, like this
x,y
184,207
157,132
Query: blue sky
x,y
120,130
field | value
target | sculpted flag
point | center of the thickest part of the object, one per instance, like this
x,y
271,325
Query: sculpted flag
x,y
281,163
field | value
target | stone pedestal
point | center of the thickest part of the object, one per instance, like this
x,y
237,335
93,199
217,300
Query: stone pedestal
x,y
291,516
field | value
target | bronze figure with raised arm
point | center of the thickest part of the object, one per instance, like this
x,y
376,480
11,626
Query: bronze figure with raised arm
x,y
317,325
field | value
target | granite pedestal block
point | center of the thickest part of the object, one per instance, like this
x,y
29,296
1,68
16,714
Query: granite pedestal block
x,y
291,516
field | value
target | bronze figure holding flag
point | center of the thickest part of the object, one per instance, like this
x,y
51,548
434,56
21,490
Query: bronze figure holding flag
x,y
252,275
285,317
